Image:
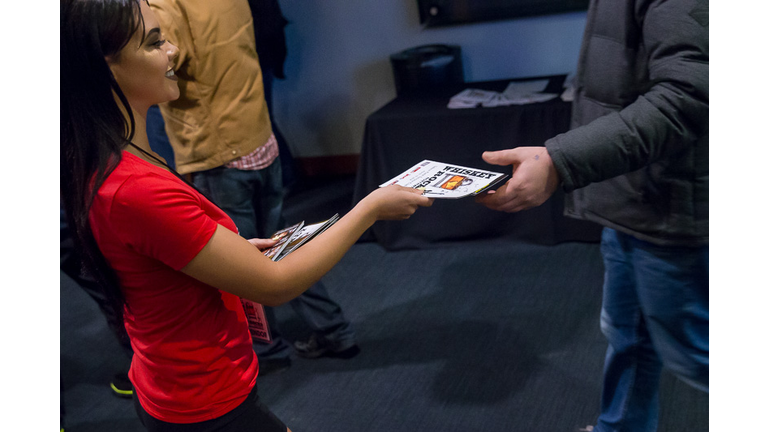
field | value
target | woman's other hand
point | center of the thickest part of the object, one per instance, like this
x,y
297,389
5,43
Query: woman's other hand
x,y
262,244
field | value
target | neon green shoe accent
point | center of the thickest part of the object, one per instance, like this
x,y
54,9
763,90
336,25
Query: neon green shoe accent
x,y
124,393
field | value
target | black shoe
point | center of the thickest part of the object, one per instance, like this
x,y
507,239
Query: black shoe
x,y
318,346
267,367
122,386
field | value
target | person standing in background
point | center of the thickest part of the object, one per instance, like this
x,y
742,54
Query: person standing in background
x,y
269,25
636,161
221,133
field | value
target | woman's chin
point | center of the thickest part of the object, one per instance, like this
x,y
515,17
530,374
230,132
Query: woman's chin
x,y
175,93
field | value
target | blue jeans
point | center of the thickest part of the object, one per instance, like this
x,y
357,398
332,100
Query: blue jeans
x,y
158,140
254,201
655,313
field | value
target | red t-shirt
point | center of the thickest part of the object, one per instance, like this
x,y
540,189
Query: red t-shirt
x,y
193,354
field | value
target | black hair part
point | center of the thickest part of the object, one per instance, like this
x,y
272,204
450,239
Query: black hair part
x,y
94,128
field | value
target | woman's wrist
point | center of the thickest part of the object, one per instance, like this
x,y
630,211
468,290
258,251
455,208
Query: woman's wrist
x,y
365,210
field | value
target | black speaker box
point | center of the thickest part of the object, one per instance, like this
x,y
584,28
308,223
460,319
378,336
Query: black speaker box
x,y
427,67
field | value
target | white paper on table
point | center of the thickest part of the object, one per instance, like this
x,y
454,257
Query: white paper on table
x,y
462,104
524,87
497,100
471,98
568,94
532,98
516,93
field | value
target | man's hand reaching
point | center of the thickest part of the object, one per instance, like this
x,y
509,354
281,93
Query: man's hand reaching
x,y
534,179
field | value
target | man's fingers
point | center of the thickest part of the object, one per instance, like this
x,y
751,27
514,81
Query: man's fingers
x,y
504,206
512,207
506,199
495,200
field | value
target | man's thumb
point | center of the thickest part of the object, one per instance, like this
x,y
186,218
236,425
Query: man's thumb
x,y
501,157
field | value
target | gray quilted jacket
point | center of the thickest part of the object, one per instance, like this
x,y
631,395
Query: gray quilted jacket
x,y
637,156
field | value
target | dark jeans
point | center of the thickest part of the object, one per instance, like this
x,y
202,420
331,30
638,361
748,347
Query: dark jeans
x,y
249,416
254,201
158,140
655,313
252,198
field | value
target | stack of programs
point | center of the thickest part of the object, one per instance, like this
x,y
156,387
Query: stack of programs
x,y
291,238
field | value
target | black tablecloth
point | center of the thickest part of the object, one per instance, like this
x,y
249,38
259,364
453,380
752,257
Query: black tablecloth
x,y
420,126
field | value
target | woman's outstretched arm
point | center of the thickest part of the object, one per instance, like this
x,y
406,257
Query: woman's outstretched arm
x,y
232,264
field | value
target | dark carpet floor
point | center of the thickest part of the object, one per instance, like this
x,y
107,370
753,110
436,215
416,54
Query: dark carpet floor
x,y
466,337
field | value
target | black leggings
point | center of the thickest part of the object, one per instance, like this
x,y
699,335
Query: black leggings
x,y
249,416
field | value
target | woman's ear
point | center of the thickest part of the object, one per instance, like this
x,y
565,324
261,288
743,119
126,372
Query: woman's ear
x,y
114,66
111,62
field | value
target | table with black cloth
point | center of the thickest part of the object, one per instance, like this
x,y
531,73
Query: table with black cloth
x,y
419,126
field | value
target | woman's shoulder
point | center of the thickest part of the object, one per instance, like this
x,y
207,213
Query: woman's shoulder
x,y
136,180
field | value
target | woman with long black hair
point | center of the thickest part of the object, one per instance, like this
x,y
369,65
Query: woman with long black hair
x,y
169,260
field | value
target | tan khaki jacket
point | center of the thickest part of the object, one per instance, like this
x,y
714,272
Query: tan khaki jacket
x,y
221,114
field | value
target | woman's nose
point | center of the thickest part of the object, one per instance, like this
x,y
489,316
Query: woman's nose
x,y
173,51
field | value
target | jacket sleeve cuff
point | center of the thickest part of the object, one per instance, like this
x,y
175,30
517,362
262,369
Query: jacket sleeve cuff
x,y
556,154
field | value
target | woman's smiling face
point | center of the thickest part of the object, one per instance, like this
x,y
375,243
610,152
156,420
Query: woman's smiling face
x,y
144,67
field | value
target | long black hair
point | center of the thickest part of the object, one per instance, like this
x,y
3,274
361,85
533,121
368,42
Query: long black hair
x,y
94,128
